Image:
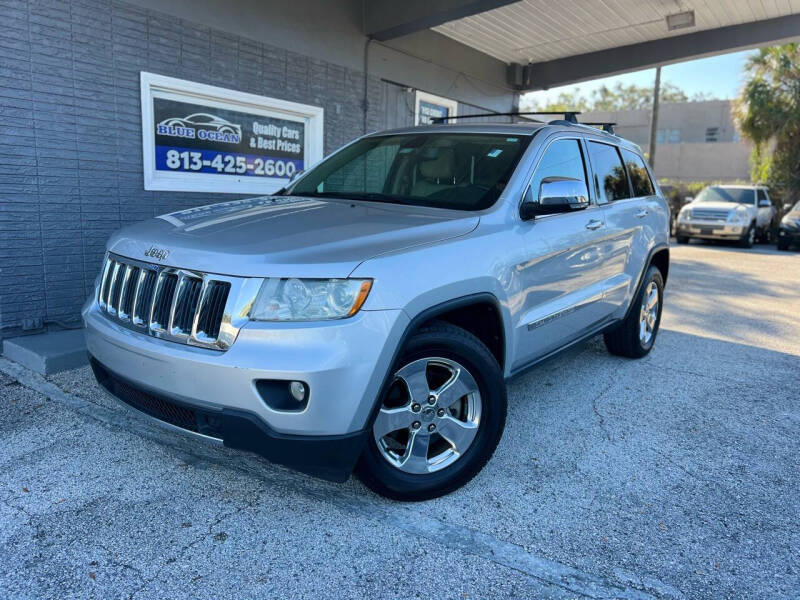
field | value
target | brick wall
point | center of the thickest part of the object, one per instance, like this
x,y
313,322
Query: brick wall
x,y
70,142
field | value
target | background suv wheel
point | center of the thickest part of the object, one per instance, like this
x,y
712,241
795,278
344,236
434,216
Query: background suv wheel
x,y
439,420
749,237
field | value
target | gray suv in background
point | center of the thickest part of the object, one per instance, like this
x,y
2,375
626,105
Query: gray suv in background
x,y
368,316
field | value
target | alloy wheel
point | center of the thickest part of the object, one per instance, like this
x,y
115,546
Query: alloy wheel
x,y
430,416
648,314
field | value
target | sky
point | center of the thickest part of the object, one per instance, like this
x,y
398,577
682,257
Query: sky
x,y
720,76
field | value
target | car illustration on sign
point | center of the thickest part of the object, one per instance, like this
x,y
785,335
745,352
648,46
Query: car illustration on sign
x,y
203,121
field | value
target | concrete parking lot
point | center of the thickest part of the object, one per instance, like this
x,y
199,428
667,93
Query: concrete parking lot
x,y
676,476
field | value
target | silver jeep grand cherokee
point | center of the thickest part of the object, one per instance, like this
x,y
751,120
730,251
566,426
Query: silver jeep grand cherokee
x,y
368,316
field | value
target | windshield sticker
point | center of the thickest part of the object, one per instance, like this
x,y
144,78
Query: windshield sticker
x,y
495,153
512,139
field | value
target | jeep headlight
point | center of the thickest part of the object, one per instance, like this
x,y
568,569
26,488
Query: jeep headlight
x,y
685,214
309,299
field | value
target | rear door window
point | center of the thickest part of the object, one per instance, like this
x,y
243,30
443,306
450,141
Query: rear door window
x,y
610,179
640,178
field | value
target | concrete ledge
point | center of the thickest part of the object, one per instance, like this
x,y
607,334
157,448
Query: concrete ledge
x,y
48,353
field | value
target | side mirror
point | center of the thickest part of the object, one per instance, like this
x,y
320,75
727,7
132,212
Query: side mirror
x,y
687,199
764,203
556,195
787,206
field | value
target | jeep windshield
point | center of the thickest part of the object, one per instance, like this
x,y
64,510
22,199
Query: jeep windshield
x,y
462,171
720,194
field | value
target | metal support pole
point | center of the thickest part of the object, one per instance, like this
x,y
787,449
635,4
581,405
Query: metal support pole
x,y
654,119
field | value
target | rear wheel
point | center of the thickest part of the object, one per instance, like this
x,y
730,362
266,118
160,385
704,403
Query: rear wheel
x,y
636,335
783,244
440,419
681,239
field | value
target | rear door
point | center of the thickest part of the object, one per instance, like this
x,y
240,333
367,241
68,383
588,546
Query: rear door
x,y
625,192
561,286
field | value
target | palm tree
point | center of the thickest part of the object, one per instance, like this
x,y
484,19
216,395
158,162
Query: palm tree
x,y
767,112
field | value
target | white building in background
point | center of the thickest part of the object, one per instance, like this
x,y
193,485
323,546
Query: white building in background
x,y
696,141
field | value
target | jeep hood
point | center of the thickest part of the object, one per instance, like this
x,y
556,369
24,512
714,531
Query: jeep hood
x,y
286,237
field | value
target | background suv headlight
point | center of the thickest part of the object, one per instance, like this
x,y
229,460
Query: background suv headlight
x,y
738,216
309,299
685,214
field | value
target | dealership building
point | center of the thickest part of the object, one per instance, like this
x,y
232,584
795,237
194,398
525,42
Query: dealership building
x,y
116,111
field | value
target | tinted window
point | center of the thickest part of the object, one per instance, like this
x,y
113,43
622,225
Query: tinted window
x,y
640,178
443,170
610,180
762,195
563,158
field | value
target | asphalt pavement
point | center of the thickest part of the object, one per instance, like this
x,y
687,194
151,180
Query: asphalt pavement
x,y
675,476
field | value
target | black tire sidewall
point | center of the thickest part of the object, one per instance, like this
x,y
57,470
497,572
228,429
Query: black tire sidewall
x,y
653,274
463,348
745,241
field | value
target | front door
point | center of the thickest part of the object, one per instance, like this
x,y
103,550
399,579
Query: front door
x,y
562,279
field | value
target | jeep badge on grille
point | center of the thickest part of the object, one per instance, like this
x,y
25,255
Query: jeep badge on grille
x,y
157,253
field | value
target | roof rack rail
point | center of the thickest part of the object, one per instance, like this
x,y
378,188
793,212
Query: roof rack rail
x,y
569,115
607,127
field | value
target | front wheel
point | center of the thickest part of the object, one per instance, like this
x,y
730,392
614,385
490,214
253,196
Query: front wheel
x,y
749,237
439,420
635,336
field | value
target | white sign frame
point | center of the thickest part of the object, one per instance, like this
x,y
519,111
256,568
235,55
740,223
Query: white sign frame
x,y
451,105
153,85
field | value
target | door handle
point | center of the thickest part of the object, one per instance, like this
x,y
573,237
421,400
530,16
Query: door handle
x,y
641,214
594,224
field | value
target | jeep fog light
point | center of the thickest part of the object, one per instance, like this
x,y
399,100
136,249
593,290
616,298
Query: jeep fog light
x,y
298,390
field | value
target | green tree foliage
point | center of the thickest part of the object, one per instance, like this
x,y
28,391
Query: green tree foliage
x,y
613,98
767,112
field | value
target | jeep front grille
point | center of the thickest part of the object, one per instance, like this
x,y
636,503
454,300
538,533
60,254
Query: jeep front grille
x,y
179,305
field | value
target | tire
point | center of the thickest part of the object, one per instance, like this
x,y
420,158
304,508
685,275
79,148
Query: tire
x,y
749,237
388,466
783,245
682,239
628,339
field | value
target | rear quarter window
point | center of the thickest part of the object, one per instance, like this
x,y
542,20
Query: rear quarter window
x,y
640,178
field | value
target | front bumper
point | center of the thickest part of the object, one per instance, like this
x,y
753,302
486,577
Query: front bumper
x,y
342,362
329,457
712,230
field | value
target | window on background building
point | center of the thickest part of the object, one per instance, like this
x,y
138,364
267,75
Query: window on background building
x,y
712,134
668,136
